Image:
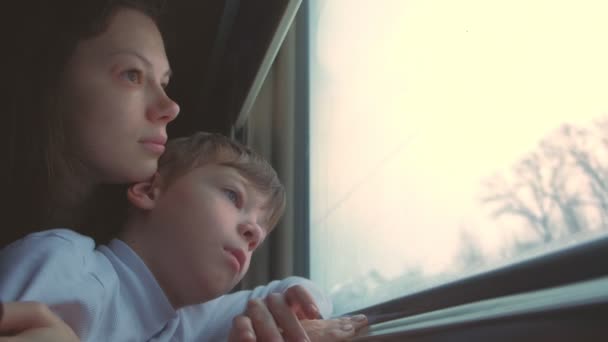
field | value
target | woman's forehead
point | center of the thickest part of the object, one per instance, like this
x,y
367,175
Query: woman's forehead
x,y
128,32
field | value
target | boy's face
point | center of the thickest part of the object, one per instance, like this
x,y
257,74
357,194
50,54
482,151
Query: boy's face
x,y
201,233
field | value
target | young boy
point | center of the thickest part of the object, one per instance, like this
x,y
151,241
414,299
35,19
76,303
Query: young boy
x,y
188,239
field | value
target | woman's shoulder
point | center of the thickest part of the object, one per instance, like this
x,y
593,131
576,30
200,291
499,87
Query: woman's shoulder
x,y
48,246
58,267
61,234
55,238
51,254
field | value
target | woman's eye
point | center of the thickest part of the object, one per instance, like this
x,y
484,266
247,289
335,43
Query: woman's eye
x,y
132,75
232,196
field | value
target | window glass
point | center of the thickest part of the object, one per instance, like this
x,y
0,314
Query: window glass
x,y
451,137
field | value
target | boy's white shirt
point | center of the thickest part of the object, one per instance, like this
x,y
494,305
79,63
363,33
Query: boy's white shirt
x,y
108,294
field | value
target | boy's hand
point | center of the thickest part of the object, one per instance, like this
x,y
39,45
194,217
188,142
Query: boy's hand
x,y
292,316
330,330
272,320
337,329
301,303
277,316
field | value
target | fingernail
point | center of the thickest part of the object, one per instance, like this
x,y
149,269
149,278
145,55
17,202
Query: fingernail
x,y
359,318
347,327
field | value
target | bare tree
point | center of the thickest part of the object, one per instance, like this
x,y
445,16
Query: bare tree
x,y
561,188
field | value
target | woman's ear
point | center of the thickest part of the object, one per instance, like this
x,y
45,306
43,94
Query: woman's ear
x,y
143,195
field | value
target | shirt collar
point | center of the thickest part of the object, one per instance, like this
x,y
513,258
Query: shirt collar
x,y
139,287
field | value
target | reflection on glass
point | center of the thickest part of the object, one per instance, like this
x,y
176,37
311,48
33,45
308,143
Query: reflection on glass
x,y
449,137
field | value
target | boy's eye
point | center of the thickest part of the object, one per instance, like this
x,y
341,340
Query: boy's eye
x,y
132,75
233,196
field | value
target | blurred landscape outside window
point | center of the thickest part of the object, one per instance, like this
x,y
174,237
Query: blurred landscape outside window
x,y
452,137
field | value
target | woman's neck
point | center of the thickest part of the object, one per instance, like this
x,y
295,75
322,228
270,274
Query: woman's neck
x,y
71,197
82,203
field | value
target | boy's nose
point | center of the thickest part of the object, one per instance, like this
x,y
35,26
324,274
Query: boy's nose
x,y
251,233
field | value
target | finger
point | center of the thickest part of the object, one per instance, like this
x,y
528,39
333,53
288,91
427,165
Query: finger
x,y
19,316
341,330
263,322
285,318
348,326
359,321
242,330
331,330
302,302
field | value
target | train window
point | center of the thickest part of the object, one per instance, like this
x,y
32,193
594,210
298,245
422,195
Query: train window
x,y
452,138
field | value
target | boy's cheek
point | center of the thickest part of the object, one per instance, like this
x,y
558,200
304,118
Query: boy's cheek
x,y
247,265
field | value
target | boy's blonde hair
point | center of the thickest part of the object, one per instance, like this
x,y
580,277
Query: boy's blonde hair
x,y
187,153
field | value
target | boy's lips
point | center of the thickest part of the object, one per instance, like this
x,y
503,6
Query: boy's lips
x,y
239,255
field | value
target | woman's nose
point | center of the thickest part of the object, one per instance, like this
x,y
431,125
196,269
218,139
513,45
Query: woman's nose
x,y
163,109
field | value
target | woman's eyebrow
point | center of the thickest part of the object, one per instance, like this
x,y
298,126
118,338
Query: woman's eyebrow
x,y
143,58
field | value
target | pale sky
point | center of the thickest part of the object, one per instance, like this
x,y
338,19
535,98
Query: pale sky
x,y
415,103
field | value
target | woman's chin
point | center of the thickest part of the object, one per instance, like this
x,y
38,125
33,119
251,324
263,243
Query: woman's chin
x,y
128,175
144,172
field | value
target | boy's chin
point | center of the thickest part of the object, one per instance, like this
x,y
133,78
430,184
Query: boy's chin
x,y
220,290
231,287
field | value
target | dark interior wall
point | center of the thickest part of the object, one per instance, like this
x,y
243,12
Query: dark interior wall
x,y
189,29
215,48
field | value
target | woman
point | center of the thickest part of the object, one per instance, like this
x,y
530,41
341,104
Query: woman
x,y
83,112
87,109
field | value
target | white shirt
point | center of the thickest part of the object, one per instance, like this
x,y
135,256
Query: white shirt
x,y
108,294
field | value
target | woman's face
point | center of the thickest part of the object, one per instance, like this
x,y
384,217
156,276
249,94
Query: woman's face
x,y
113,98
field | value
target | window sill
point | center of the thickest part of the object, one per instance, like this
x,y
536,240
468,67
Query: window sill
x,y
578,311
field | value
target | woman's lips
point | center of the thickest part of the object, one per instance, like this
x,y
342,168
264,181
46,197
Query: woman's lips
x,y
154,147
155,144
